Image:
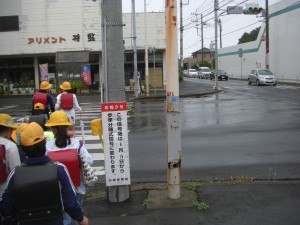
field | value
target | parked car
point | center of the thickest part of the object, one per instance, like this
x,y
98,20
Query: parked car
x,y
192,73
222,75
204,72
185,73
262,77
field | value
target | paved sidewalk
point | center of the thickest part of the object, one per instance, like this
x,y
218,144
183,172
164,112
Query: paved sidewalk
x,y
229,203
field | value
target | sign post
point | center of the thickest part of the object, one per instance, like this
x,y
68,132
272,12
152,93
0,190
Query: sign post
x,y
115,139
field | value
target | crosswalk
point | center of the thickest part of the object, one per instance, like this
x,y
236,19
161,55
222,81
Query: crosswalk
x,y
92,143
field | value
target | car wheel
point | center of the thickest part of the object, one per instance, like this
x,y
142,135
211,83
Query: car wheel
x,y
257,83
274,84
249,82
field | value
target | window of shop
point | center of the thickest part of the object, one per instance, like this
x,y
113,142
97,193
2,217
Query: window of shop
x,y
9,23
17,74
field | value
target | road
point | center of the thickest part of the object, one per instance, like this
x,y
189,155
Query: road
x,y
243,131
250,131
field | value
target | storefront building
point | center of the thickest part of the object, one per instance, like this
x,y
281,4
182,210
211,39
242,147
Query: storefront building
x,y
47,32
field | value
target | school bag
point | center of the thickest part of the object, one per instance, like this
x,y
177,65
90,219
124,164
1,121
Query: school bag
x,y
3,165
66,101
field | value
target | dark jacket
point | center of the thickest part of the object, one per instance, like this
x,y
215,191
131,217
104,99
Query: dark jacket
x,y
50,104
71,206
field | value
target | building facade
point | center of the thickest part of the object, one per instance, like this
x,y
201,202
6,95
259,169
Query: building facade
x,y
34,33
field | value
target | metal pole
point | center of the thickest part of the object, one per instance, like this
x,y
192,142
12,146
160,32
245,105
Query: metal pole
x,y
173,105
181,37
220,23
202,40
146,50
136,84
216,43
267,35
154,70
241,67
105,63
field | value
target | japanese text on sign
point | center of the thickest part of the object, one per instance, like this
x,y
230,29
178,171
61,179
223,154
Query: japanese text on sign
x,y
115,135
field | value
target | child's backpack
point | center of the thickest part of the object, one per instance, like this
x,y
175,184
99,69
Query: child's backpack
x,y
3,165
66,101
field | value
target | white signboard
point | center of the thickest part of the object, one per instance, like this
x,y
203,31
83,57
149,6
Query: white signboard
x,y
115,137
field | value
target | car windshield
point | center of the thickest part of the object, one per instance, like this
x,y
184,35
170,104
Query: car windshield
x,y
193,70
205,70
264,72
221,71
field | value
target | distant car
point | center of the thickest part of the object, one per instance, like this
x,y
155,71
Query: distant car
x,y
222,75
192,73
204,72
262,77
185,73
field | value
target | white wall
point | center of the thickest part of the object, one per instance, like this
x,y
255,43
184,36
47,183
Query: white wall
x,y
156,35
284,53
46,21
48,26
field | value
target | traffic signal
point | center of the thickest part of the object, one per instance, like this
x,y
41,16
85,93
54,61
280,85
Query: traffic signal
x,y
252,9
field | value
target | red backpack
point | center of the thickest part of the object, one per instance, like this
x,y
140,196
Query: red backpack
x,y
66,101
40,98
3,165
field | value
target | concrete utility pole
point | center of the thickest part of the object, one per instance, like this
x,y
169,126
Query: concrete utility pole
x,y
181,37
113,58
173,106
216,43
146,50
267,35
136,84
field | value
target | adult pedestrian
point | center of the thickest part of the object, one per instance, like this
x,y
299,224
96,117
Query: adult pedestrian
x,y
67,101
42,96
59,124
11,153
39,190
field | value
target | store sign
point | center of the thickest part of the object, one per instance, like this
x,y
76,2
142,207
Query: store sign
x,y
115,137
44,71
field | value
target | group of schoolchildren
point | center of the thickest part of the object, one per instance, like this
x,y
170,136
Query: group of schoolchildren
x,y
36,186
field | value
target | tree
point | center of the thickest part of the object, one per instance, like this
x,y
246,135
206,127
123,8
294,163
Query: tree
x,y
247,37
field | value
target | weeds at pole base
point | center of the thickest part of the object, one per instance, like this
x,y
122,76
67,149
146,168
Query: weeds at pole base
x,y
201,205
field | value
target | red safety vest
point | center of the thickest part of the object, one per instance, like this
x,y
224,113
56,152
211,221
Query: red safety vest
x,y
66,101
40,98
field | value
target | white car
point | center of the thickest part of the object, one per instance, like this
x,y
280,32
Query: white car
x,y
262,77
192,73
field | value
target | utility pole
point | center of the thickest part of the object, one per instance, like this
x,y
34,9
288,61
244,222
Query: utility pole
x,y
173,105
146,50
220,24
202,39
113,58
267,35
216,43
181,34
136,84
181,37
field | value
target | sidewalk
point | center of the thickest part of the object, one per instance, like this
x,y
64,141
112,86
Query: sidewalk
x,y
186,89
235,202
228,202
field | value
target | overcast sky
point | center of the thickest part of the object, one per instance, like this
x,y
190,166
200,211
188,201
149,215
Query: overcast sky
x,y
233,26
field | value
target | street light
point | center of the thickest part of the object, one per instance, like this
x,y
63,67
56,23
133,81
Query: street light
x,y
153,50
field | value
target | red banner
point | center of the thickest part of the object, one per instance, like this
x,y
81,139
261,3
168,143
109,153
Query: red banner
x,y
86,74
44,71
